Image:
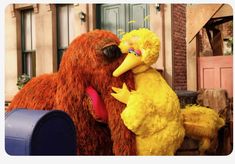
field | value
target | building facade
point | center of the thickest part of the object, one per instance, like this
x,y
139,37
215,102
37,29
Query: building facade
x,y
36,35
209,40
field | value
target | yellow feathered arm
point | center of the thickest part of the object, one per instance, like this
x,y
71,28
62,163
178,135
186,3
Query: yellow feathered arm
x,y
141,115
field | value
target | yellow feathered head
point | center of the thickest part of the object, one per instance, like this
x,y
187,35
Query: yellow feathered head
x,y
142,47
144,40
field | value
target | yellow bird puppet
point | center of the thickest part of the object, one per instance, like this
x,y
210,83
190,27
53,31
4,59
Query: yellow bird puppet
x,y
153,110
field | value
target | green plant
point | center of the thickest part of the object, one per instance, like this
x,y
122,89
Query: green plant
x,y
22,80
230,45
230,42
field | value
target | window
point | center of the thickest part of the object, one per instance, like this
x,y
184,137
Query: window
x,y
65,28
28,43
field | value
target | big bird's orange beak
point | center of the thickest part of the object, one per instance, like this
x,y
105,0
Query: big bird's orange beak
x,y
130,62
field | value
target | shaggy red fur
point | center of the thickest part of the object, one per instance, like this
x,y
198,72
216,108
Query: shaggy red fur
x,y
83,64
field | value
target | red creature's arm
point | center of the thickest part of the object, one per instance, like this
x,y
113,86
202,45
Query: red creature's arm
x,y
38,93
93,138
124,142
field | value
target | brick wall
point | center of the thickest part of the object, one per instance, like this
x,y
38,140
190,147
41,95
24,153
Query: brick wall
x,y
179,46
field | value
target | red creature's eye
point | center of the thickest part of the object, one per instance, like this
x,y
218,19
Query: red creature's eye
x,y
111,52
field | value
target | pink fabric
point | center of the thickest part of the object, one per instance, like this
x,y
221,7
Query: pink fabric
x,y
98,105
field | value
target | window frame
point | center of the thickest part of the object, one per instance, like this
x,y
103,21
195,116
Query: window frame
x,y
61,50
24,52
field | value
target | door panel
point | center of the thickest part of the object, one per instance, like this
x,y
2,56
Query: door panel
x,y
216,72
225,81
115,17
138,13
208,74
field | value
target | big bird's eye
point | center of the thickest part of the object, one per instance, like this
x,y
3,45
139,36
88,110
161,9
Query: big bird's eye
x,y
135,52
111,52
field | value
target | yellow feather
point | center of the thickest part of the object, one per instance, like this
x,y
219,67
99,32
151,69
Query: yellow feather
x,y
201,121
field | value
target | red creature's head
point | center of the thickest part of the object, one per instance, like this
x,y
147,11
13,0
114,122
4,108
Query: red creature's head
x,y
94,56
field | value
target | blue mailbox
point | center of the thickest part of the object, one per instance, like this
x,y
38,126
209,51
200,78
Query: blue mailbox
x,y
39,132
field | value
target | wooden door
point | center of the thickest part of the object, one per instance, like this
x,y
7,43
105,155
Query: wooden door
x,y
121,18
137,13
111,17
216,72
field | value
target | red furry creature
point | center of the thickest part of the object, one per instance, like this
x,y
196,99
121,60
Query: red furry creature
x,y
89,61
